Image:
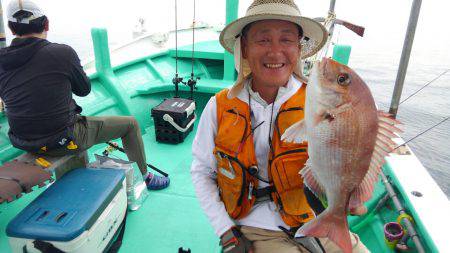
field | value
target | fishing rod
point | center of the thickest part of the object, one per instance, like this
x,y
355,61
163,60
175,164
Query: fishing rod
x,y
403,216
192,82
329,22
176,80
115,146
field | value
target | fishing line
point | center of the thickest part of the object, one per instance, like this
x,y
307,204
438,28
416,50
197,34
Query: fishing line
x,y
442,121
443,73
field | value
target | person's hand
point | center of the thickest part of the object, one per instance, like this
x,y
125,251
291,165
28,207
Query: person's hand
x,y
233,241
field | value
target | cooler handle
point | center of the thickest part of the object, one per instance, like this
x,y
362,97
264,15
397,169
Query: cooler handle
x,y
190,109
169,119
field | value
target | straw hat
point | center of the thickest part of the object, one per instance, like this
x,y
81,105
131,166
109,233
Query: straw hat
x,y
314,35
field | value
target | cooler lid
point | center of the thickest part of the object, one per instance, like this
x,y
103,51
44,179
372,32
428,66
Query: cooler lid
x,y
68,207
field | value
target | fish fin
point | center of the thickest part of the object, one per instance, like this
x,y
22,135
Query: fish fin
x,y
383,146
388,118
330,225
388,123
365,190
295,133
311,182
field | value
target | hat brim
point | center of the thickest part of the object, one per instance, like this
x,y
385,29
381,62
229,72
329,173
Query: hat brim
x,y
315,32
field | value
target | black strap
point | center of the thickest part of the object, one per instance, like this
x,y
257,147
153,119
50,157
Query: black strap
x,y
116,244
45,247
113,247
263,192
313,201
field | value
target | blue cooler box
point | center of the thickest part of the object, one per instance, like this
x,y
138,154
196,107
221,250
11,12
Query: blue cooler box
x,y
81,212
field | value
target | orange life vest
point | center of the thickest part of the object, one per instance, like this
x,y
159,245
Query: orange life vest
x,y
237,164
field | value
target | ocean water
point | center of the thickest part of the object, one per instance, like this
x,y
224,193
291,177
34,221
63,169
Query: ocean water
x,y
375,57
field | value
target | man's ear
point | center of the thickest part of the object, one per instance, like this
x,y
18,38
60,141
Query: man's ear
x,y
46,25
244,50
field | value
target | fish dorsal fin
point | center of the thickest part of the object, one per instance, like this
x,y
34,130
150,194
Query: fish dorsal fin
x,y
311,182
383,146
295,133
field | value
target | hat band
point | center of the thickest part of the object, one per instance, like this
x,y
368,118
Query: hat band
x,y
273,9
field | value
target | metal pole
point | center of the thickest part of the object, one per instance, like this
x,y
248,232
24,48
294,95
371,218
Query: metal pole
x,y
2,28
331,14
332,4
401,210
406,52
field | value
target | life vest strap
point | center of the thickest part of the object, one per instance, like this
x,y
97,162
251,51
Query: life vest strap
x,y
263,193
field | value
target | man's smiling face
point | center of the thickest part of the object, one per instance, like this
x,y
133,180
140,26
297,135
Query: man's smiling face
x,y
272,49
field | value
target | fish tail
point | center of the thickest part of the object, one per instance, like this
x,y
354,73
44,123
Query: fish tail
x,y
330,225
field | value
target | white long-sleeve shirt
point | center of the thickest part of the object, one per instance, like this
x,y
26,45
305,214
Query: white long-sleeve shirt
x,y
204,166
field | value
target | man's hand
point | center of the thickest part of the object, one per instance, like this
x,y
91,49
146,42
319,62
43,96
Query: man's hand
x,y
233,241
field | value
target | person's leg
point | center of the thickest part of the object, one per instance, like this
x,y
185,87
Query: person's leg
x,y
267,241
331,247
102,129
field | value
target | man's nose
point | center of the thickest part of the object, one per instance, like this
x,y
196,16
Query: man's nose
x,y
275,49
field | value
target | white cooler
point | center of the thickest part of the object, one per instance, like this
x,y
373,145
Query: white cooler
x,y
81,212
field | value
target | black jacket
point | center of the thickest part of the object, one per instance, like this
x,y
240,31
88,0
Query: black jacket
x,y
37,79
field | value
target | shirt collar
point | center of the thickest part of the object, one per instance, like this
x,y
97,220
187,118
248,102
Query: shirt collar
x,y
284,92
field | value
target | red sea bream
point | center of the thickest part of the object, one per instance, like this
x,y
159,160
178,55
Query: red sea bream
x,y
347,142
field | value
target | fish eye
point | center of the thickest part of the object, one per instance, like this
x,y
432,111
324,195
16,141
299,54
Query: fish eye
x,y
343,79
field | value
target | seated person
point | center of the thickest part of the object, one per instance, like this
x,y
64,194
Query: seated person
x,y
239,130
37,79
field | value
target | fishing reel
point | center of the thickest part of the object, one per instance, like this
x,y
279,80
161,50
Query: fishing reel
x,y
176,80
192,83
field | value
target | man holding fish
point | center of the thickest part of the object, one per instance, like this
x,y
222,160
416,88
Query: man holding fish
x,y
251,143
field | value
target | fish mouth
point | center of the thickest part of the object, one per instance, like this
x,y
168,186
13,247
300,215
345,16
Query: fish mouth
x,y
274,65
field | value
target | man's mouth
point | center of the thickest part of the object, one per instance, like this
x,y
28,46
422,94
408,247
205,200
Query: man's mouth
x,y
273,65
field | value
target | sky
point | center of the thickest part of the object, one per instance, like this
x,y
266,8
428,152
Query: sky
x,y
385,20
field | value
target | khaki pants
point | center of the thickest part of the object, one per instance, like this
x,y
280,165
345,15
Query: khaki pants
x,y
267,241
89,131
